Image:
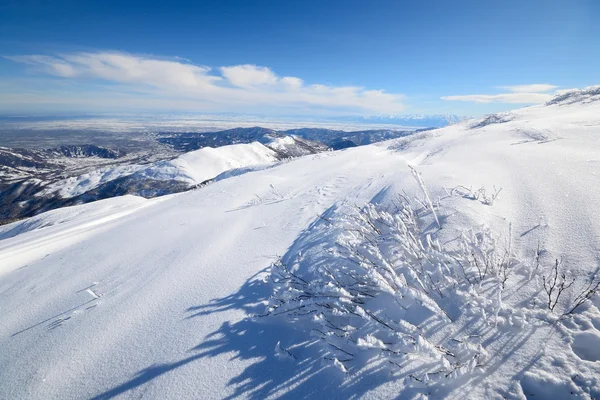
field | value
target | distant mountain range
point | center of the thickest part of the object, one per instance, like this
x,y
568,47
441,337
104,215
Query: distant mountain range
x,y
303,137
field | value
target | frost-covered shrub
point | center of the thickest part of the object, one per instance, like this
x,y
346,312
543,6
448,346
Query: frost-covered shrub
x,y
481,195
374,285
386,289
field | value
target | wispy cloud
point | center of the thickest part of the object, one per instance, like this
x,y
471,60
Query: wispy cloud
x,y
512,98
534,88
227,88
518,94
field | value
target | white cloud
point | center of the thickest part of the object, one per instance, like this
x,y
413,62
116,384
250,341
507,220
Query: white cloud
x,y
292,82
51,65
535,88
231,88
512,98
519,94
249,75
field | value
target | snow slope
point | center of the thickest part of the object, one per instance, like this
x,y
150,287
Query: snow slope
x,y
200,165
77,185
155,302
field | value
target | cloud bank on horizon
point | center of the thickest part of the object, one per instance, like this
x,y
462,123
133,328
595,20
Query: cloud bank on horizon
x,y
518,94
148,82
236,87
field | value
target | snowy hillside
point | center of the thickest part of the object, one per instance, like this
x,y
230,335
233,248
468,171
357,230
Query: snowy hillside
x,y
200,165
419,267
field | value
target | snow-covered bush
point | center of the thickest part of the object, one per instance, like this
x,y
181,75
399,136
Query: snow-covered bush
x,y
556,283
387,289
481,195
375,285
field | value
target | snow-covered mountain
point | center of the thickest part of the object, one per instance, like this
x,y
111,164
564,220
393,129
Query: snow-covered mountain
x,y
200,165
18,164
304,139
149,180
451,263
162,177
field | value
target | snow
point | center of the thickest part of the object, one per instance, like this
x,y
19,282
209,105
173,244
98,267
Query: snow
x,y
82,221
206,163
159,298
587,345
282,143
76,185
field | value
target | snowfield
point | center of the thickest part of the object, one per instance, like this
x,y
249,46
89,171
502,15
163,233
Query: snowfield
x,y
327,276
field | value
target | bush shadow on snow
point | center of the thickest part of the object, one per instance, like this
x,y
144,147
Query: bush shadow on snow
x,y
256,340
297,374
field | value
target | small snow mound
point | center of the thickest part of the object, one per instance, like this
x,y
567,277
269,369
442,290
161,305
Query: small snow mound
x,y
586,345
586,95
542,385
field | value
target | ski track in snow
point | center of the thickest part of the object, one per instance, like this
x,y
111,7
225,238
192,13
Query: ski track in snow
x,y
150,298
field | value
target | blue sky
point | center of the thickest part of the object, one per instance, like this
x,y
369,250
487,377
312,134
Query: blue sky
x,y
294,57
